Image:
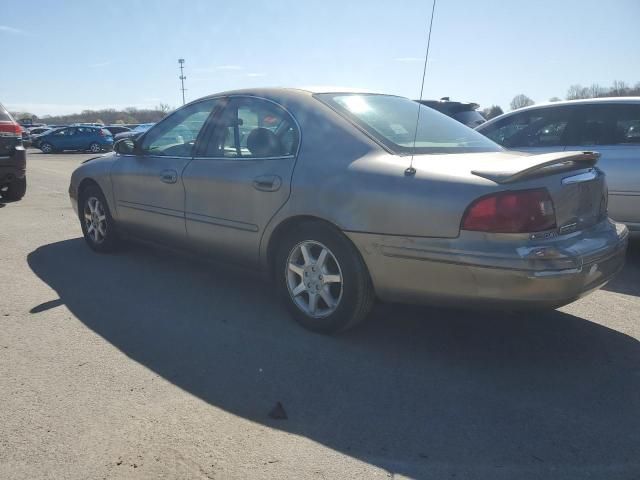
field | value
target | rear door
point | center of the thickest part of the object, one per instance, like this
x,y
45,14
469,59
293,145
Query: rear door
x,y
240,177
613,130
83,138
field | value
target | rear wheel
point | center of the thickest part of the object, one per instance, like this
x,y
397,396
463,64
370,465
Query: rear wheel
x,y
95,148
15,190
46,148
322,279
97,224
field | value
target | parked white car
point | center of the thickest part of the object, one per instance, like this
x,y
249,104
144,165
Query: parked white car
x,y
610,126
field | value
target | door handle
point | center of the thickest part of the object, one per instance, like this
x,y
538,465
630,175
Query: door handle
x,y
267,183
169,176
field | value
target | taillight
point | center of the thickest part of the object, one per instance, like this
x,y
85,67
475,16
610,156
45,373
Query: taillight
x,y
10,128
520,211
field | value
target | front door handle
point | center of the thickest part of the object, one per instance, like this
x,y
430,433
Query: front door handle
x,y
169,176
267,183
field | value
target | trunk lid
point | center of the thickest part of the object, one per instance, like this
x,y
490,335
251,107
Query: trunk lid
x,y
577,188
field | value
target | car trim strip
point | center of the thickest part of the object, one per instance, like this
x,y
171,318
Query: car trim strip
x,y
151,209
222,222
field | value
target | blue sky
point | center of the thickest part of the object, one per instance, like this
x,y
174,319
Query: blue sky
x,y
61,57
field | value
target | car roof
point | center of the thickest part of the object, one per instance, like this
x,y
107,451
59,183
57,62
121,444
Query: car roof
x,y
292,91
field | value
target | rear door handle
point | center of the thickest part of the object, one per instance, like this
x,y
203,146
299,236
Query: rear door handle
x,y
169,176
267,183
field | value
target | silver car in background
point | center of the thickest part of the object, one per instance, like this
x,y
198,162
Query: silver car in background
x,y
610,126
322,191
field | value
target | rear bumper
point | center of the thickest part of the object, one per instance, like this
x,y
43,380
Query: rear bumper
x,y
496,271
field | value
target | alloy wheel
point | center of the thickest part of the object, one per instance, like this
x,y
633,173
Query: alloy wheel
x,y
314,279
94,148
95,220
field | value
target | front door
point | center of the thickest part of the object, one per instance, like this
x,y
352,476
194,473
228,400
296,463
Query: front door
x,y
240,177
64,139
148,186
535,130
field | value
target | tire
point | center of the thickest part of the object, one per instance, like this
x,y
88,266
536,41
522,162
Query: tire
x,y
95,148
99,233
352,297
46,148
15,190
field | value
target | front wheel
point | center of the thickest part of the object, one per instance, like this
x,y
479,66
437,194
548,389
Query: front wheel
x,y
322,279
95,148
97,224
46,148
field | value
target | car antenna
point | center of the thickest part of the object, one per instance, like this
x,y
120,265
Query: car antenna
x,y
412,171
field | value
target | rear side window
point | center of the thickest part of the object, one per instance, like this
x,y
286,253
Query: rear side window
x,y
540,127
253,128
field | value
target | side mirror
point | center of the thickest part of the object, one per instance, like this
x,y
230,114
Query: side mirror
x,y
125,146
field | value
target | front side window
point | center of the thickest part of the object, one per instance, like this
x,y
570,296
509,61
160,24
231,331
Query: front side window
x,y
176,135
532,128
65,132
253,128
392,121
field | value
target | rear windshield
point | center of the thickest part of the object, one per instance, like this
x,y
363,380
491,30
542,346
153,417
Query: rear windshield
x,y
392,121
470,118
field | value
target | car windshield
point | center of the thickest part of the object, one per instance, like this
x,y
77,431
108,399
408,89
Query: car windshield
x,y
143,128
392,121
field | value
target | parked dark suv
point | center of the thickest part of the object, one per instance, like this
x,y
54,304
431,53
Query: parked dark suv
x,y
13,158
464,112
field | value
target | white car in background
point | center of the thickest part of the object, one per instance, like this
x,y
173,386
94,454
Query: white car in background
x,y
610,126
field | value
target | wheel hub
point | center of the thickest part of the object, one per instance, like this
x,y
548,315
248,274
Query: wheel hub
x,y
314,278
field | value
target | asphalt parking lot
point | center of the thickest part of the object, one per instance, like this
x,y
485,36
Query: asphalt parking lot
x,y
148,364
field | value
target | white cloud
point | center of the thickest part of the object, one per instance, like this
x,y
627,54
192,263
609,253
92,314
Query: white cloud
x,y
256,74
228,67
216,68
16,31
100,64
409,59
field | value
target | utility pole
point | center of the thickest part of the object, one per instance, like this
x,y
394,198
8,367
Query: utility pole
x,y
182,77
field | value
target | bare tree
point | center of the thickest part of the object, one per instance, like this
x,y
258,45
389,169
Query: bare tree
x,y
596,91
619,89
164,108
491,112
577,91
520,101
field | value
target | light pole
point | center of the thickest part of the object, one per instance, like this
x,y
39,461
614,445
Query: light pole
x,y
182,77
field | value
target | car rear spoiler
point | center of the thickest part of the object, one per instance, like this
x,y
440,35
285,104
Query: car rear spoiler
x,y
532,165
